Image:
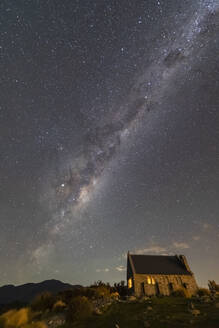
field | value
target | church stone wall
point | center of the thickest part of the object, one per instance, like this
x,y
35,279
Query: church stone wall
x,y
164,284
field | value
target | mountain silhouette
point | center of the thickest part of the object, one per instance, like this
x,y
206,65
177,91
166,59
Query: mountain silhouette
x,y
26,293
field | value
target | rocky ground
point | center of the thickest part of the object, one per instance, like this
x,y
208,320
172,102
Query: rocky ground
x,y
165,312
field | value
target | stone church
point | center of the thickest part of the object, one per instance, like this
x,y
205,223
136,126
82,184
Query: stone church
x,y
149,275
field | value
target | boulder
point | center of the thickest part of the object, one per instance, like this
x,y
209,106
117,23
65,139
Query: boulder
x,y
56,321
195,312
145,298
97,311
132,299
149,308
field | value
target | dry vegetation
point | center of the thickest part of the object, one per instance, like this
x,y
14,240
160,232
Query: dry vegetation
x,y
22,318
103,306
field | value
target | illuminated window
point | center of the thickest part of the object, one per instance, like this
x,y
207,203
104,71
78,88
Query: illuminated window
x,y
153,281
130,283
149,280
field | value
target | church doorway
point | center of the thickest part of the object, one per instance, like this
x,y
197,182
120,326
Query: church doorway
x,y
157,289
142,289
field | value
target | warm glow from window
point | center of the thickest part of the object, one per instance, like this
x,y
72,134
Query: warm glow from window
x,y
130,283
149,280
153,281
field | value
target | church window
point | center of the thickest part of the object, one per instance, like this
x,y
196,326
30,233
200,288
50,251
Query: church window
x,y
149,280
153,281
130,283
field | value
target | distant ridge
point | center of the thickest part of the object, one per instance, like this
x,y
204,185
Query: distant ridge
x,y
26,293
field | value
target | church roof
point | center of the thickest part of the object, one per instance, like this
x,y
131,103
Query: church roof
x,y
157,264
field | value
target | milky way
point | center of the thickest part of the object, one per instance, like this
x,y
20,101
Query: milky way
x,y
172,61
109,136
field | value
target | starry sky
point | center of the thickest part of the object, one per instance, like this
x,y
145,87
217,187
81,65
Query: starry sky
x,y
109,137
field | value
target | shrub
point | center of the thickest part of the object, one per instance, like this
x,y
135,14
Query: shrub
x,y
114,296
121,288
59,306
88,292
67,295
14,318
79,308
94,292
43,302
101,292
180,292
203,292
19,319
213,287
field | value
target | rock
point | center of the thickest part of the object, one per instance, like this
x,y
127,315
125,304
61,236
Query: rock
x,y
146,324
205,299
149,308
98,311
191,307
195,312
117,326
56,321
132,298
145,298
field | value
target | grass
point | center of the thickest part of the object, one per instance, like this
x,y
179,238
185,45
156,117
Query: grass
x,y
166,312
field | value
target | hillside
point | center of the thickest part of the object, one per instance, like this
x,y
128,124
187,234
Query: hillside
x,y
27,292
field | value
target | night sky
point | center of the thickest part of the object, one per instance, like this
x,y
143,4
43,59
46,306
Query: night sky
x,y
109,136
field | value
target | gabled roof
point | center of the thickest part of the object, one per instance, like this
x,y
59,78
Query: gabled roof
x,y
158,264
